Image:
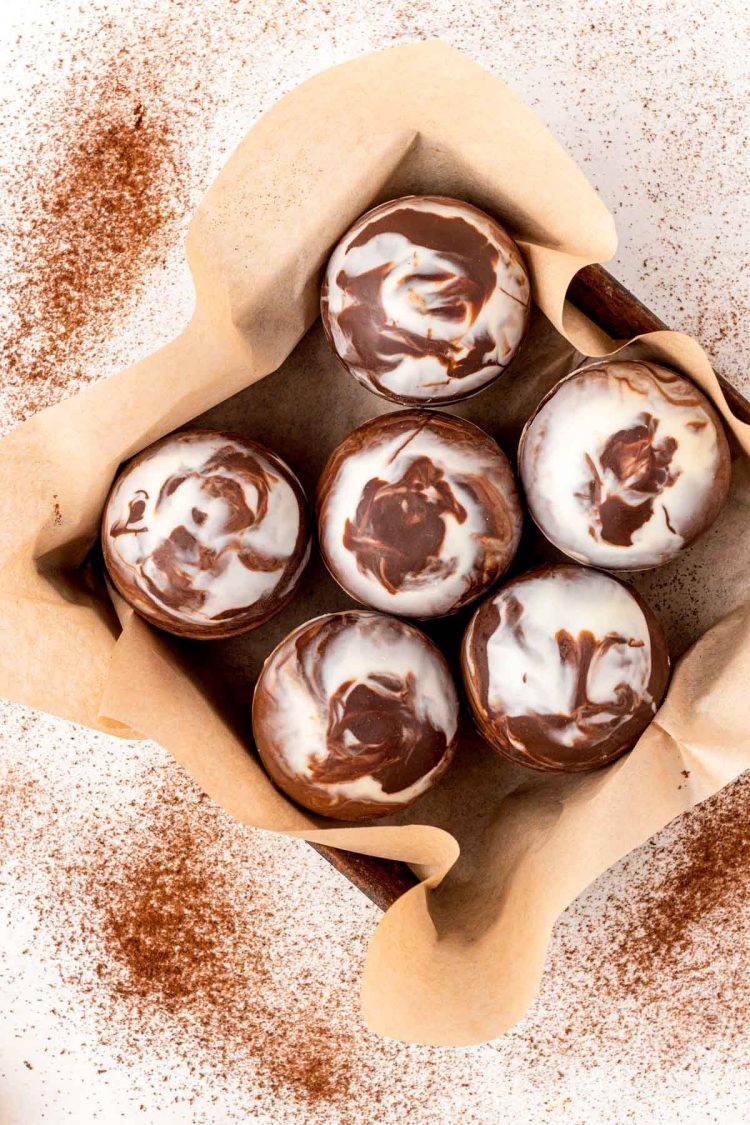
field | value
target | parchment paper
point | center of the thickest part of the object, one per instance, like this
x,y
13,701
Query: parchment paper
x,y
458,959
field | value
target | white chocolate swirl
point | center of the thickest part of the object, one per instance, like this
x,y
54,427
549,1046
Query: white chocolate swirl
x,y
203,529
624,464
527,675
564,667
418,513
353,711
426,299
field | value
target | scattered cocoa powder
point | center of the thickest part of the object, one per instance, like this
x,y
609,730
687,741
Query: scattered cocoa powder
x,y
98,207
94,208
96,198
656,969
165,927
172,946
710,871
171,936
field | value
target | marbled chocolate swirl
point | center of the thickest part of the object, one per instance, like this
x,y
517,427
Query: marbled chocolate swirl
x,y
418,513
564,668
425,299
355,715
206,533
624,464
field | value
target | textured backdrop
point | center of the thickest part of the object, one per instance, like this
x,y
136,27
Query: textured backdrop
x,y
160,963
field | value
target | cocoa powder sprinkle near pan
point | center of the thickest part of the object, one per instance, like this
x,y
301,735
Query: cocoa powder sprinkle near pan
x,y
165,921
171,945
171,941
666,947
92,206
709,871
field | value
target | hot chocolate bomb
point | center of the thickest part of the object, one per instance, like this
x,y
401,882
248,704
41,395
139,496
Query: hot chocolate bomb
x,y
624,464
355,715
418,513
564,668
206,534
425,299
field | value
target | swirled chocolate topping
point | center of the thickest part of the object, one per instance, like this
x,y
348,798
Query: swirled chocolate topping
x,y
624,464
206,533
418,513
355,715
425,299
398,528
640,465
564,668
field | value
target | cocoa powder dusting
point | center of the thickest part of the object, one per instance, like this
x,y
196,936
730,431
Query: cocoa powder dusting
x,y
94,204
155,917
710,871
171,936
166,927
656,968
159,918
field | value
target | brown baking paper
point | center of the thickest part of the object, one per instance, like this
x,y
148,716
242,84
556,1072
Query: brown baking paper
x,y
458,959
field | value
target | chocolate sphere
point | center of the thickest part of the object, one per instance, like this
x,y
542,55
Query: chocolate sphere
x,y
564,668
355,715
418,513
206,534
624,464
425,299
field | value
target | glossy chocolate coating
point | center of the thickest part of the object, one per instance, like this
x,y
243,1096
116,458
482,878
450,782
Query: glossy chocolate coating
x,y
355,715
206,534
564,668
425,299
624,464
418,513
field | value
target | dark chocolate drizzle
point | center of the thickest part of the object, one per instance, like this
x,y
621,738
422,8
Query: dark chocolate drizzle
x,y
182,553
373,730
579,653
398,530
136,508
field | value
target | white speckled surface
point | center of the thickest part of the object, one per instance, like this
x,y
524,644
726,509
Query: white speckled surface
x,y
651,99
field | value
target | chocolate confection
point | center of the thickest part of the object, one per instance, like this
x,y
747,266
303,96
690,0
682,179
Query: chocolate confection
x,y
206,534
624,464
355,715
425,299
564,668
418,513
